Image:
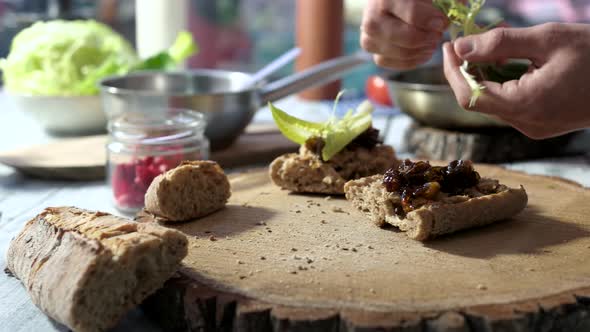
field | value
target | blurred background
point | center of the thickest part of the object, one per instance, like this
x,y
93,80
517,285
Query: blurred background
x,y
246,34
232,34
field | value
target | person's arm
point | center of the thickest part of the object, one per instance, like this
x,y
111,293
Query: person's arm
x,y
552,98
401,33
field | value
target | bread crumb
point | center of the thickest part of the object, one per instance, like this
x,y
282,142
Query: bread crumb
x,y
354,250
370,247
262,258
239,262
344,248
372,290
212,238
295,257
302,268
337,209
309,260
530,269
293,272
293,249
327,198
481,287
323,221
261,223
242,277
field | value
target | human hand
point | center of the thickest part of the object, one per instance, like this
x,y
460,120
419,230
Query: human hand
x,y
401,33
551,98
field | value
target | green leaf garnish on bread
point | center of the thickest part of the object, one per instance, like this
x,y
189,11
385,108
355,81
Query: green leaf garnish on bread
x,y
335,133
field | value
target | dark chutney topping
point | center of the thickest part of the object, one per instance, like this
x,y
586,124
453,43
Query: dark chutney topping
x,y
419,182
368,140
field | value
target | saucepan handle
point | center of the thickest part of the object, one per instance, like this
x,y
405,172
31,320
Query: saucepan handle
x,y
322,73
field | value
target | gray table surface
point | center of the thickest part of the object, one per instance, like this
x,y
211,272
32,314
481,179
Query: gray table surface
x,y
21,198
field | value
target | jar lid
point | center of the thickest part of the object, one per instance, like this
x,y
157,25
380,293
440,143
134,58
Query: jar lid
x,y
157,127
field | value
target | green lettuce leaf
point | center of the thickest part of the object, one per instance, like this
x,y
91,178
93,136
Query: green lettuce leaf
x,y
336,133
69,58
296,130
183,47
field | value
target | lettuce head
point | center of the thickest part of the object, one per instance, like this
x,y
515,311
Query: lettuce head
x,y
69,58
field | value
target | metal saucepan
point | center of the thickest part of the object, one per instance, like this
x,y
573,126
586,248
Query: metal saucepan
x,y
425,95
221,95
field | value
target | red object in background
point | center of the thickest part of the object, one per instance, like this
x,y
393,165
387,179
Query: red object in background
x,y
377,90
131,180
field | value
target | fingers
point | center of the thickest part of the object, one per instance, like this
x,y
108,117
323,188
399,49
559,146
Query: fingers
x,y
502,43
385,29
494,95
395,31
419,13
454,77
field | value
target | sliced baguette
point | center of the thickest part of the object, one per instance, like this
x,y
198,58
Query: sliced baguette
x,y
191,190
87,269
306,173
446,216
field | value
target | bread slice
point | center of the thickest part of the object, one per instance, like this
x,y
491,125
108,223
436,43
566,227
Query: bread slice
x,y
87,269
447,214
305,172
189,191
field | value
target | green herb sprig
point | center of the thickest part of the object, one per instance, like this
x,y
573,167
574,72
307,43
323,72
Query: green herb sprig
x,y
462,17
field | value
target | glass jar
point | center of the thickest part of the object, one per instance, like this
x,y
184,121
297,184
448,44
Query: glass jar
x,y
143,146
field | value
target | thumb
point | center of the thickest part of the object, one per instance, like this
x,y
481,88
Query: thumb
x,y
500,44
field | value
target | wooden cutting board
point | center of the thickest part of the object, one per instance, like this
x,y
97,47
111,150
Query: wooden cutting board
x,y
274,261
84,158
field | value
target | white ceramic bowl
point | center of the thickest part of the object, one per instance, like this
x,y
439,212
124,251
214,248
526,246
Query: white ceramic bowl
x,y
76,115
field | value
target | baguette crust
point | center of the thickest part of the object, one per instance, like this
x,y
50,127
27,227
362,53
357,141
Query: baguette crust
x,y
306,173
87,269
191,190
445,216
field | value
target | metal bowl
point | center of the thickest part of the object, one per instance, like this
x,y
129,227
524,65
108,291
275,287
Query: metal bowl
x,y
216,93
227,101
425,95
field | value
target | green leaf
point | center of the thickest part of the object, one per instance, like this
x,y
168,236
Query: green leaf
x,y
476,88
183,47
462,18
341,133
336,134
295,129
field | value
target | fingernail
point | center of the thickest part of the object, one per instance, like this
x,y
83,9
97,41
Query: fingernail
x,y
463,46
437,24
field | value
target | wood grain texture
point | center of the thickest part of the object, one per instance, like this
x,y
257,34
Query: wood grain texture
x,y
274,261
487,146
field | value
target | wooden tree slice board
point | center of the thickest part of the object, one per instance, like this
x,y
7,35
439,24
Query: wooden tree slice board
x,y
497,145
278,261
